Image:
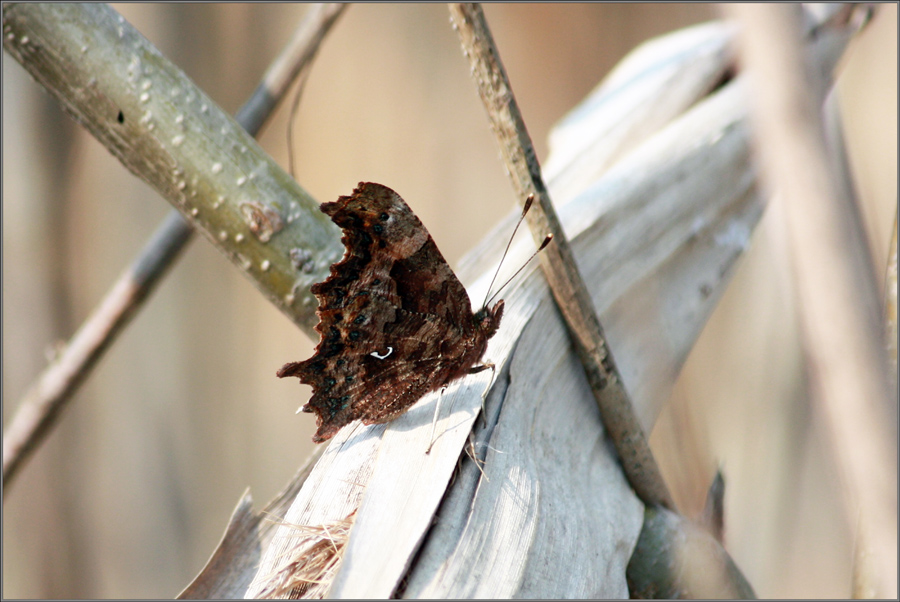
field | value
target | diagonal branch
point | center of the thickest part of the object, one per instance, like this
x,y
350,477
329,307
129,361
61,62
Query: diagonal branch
x,y
557,260
49,394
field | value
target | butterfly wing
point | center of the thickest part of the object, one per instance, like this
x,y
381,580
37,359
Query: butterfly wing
x,y
394,320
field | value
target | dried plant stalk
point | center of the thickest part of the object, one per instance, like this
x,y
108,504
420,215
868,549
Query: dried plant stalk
x,y
308,569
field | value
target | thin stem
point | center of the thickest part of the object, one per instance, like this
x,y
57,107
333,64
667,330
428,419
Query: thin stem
x,y
557,261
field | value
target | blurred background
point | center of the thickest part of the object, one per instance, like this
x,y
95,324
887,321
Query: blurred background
x,y
131,492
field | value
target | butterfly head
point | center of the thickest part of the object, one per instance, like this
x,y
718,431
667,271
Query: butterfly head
x,y
487,319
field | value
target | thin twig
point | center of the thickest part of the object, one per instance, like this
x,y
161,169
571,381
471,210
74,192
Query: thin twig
x,y
48,395
833,278
557,260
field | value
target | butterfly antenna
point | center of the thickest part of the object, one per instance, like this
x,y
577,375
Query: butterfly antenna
x,y
525,209
524,265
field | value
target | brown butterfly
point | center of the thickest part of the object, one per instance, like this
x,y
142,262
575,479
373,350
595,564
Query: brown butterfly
x,y
394,321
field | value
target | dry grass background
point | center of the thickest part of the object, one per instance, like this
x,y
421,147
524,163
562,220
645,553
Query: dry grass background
x,y
131,493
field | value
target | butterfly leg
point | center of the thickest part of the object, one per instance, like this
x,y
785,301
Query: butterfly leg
x,y
470,451
475,370
437,407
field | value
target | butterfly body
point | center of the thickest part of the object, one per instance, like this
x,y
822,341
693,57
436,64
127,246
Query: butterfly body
x,y
394,321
